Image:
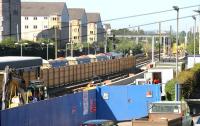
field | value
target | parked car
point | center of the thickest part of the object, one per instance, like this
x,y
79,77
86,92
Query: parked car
x,y
197,123
100,122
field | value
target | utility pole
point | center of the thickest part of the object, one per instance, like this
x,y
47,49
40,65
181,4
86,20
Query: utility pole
x,y
170,42
105,46
194,30
178,86
17,33
160,39
198,11
152,49
66,50
56,43
71,43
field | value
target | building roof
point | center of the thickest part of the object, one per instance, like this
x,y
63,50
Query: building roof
x,y
93,17
76,13
41,8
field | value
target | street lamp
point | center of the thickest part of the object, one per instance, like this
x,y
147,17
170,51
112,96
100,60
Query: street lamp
x,y
66,48
21,47
177,92
47,49
176,8
194,36
198,11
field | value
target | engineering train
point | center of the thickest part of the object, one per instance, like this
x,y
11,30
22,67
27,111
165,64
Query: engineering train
x,y
81,70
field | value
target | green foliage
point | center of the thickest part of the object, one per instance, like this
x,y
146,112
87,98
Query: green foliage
x,y
170,90
190,47
8,42
78,46
43,40
190,83
126,31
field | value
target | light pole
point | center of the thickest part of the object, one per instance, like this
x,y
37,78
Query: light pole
x,y
47,49
176,8
177,92
21,47
198,11
66,50
194,37
71,48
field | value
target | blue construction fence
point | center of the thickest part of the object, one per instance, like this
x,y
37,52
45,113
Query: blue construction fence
x,y
126,102
108,102
69,110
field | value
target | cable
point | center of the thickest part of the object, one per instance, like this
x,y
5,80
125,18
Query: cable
x,y
139,15
189,16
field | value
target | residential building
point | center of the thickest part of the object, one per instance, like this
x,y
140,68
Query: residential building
x,y
78,25
48,20
95,28
10,19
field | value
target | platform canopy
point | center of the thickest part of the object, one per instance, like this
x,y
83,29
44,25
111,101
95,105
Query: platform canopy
x,y
19,62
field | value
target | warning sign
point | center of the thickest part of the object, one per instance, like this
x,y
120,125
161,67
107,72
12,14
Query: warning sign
x,y
85,103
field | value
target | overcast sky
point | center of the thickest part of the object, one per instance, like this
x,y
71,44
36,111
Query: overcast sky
x,y
110,9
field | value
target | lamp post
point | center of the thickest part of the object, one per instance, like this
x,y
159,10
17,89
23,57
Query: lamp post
x,y
177,92
21,47
66,50
176,8
194,30
198,11
47,49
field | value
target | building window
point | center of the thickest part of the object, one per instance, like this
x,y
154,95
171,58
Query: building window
x,y
45,18
75,29
54,18
91,32
26,26
34,18
44,36
35,26
56,26
45,26
75,37
26,18
91,39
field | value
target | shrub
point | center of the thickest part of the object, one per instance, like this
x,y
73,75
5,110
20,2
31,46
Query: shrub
x,y
170,90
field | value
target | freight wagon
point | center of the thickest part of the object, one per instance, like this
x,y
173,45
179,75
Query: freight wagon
x,y
72,74
69,75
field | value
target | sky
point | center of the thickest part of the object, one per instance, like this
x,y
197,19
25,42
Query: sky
x,y
110,9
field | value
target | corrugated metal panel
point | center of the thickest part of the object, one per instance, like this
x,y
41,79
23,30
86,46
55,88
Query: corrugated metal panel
x,y
125,102
60,111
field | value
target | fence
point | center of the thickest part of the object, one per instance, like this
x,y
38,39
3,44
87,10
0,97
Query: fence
x,y
125,102
69,110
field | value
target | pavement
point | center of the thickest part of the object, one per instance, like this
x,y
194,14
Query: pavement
x,y
125,124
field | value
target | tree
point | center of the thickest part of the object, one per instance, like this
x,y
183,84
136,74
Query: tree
x,y
170,90
8,42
